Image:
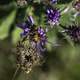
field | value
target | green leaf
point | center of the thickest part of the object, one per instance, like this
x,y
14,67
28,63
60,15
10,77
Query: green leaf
x,y
16,35
6,24
66,19
37,1
52,39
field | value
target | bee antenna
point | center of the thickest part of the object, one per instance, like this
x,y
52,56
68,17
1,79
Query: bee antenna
x,y
16,73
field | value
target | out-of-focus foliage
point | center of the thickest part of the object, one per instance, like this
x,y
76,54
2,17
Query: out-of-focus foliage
x,y
6,24
63,55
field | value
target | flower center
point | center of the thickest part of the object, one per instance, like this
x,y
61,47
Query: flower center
x,y
36,37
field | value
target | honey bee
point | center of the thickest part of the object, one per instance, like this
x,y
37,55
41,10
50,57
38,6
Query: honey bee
x,y
27,56
76,5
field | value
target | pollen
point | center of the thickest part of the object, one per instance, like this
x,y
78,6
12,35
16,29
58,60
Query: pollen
x,y
36,37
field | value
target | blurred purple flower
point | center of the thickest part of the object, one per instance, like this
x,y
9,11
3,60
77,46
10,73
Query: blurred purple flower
x,y
41,39
73,32
53,1
53,16
26,26
25,32
41,31
42,34
76,5
22,25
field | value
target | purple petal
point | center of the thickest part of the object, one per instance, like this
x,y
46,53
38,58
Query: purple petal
x,y
30,19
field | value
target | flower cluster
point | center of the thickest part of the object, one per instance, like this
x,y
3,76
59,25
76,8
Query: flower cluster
x,y
37,36
30,49
28,56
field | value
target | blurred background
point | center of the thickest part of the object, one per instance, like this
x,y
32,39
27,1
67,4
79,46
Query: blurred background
x,y
62,60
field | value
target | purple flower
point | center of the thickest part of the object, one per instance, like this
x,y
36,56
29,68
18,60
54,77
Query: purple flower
x,y
26,26
22,25
73,32
43,38
38,39
53,1
41,31
25,32
53,16
37,36
76,5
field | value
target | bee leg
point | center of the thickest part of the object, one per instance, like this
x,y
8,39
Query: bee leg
x,y
16,72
